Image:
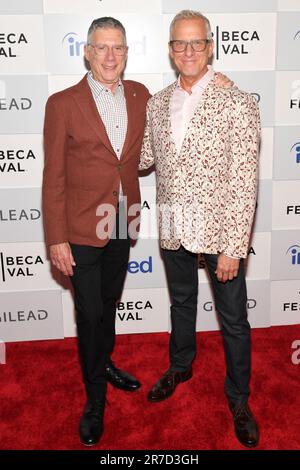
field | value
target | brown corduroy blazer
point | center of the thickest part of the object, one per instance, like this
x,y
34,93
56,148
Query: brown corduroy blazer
x,y
82,171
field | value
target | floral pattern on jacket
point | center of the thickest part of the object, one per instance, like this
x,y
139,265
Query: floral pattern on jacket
x,y
206,193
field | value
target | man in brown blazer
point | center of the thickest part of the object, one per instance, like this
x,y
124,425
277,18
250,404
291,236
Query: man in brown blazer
x,y
92,135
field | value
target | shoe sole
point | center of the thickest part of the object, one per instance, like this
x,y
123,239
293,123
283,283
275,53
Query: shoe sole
x,y
88,445
249,446
189,376
93,443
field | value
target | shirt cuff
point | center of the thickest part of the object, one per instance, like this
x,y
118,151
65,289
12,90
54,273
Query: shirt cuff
x,y
231,256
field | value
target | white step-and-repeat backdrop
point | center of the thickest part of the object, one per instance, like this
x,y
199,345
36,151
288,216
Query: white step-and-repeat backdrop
x,y
41,52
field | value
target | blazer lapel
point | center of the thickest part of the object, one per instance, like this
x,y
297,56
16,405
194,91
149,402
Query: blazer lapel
x,y
130,97
167,115
85,100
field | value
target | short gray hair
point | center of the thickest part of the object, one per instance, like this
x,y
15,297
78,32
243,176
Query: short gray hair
x,y
191,15
105,22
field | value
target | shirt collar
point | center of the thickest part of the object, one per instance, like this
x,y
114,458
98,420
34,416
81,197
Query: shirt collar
x,y
203,82
98,87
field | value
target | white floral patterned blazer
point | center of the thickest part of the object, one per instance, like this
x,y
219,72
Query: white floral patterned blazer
x,y
206,194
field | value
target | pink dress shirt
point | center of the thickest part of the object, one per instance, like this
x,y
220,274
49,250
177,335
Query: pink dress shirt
x,y
183,106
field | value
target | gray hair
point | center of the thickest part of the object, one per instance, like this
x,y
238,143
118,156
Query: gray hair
x,y
191,15
105,22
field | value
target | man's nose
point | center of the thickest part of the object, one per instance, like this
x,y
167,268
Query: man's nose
x,y
110,54
189,50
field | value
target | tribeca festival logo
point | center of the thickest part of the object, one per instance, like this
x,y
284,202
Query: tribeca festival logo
x,y
295,96
9,43
133,310
148,228
294,252
15,266
234,42
291,306
295,151
13,160
2,352
293,209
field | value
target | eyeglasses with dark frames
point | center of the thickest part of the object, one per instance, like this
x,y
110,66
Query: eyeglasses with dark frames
x,y
101,49
197,45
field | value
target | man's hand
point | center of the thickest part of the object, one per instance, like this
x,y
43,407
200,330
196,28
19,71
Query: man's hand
x,y
62,258
223,81
227,268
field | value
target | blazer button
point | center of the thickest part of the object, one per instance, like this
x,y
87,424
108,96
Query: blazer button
x,y
115,193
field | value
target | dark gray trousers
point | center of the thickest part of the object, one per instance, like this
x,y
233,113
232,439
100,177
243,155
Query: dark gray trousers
x,y
230,300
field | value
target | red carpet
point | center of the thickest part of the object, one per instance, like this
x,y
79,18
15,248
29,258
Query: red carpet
x,y
41,396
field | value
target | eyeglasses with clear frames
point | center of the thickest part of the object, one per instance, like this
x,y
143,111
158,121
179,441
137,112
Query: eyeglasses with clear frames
x,y
101,49
197,45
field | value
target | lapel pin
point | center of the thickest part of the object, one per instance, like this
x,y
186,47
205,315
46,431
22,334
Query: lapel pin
x,y
134,94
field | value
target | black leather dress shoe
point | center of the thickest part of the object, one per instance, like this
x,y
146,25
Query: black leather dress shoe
x,y
121,379
166,385
91,422
245,426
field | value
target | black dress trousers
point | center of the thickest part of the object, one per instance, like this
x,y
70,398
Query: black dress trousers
x,y
98,281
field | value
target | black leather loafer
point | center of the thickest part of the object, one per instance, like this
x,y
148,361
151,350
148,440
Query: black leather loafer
x,y
167,384
91,423
245,426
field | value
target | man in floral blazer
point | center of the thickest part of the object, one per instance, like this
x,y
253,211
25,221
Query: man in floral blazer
x,y
204,143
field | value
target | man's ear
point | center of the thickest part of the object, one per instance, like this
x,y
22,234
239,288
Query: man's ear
x,y
86,52
211,47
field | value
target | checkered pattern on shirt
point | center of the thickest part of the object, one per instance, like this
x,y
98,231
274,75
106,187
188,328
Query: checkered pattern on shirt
x,y
112,110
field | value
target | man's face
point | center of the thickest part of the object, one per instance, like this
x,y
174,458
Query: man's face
x,y
107,67
190,64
